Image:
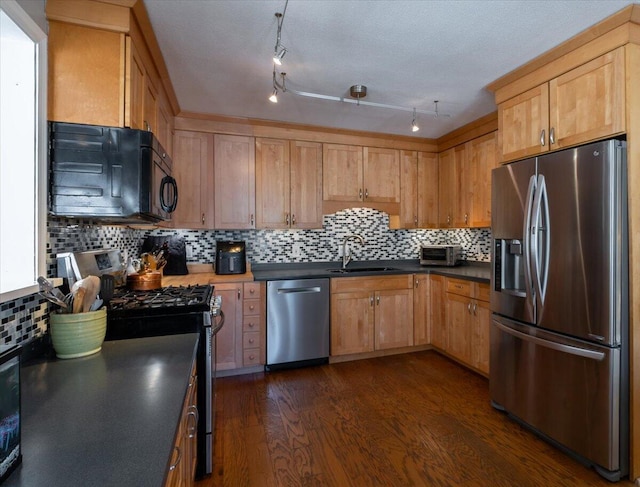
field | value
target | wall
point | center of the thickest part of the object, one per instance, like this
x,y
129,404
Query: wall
x,y
24,319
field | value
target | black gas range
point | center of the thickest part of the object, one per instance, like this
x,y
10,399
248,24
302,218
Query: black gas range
x,y
171,311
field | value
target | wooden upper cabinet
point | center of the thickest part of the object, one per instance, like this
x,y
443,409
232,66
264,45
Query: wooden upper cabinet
x,y
234,181
446,187
134,88
342,173
193,170
306,184
381,175
584,104
150,121
462,187
523,123
273,204
288,184
482,158
588,102
86,75
418,189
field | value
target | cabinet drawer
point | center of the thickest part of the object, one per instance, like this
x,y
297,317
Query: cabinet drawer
x,y
372,283
250,339
457,286
483,292
252,290
251,307
251,357
252,323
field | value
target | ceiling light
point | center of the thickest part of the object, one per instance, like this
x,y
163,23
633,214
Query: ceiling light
x,y
414,125
274,96
279,54
277,86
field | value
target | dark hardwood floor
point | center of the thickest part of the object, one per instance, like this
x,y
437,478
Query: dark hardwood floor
x,y
417,419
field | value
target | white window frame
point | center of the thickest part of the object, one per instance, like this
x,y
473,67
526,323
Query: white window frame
x,y
33,30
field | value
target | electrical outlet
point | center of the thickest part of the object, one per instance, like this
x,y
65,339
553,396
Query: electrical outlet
x,y
296,249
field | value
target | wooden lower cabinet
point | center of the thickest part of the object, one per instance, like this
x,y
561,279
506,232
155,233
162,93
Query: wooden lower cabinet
x,y
421,309
437,315
241,341
371,313
229,353
253,324
183,461
468,322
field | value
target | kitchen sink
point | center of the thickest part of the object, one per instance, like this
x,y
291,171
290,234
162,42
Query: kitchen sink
x,y
350,270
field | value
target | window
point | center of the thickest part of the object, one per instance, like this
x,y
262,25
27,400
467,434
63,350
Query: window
x,y
23,152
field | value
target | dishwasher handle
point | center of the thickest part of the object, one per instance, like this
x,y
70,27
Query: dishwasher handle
x,y
299,290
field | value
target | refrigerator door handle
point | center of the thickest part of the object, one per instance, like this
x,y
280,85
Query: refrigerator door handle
x,y
540,248
580,352
526,233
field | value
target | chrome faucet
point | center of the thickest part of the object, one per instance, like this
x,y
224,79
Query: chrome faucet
x,y
346,258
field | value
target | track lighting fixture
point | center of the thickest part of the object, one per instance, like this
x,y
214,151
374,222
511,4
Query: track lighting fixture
x,y
414,125
356,92
279,51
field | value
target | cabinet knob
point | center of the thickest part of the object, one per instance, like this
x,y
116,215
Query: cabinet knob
x,y
238,293
251,340
543,138
360,193
251,219
250,325
252,357
371,300
552,136
378,300
251,291
251,307
175,464
293,219
203,218
286,218
417,282
448,219
415,220
466,218
475,309
469,308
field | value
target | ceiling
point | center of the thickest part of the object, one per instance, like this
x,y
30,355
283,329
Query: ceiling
x,y
407,53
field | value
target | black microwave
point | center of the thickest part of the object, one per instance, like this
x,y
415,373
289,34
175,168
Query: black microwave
x,y
445,255
109,173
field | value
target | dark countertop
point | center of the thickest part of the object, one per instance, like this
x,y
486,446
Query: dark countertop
x,y
473,271
109,419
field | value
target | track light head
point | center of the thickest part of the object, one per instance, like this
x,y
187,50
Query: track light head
x,y
274,96
279,54
414,125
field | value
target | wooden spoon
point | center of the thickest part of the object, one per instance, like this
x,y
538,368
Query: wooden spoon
x,y
91,285
78,299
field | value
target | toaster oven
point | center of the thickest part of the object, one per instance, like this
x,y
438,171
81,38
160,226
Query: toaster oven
x,y
443,255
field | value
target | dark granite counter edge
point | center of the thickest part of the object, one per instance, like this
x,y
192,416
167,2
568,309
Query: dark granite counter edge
x,y
473,271
107,419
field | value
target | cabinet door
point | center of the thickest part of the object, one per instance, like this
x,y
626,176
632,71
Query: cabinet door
x,y
342,173
272,184
482,159
193,170
588,102
134,88
150,105
381,175
393,319
427,190
437,315
446,187
164,131
461,188
85,75
460,327
352,322
306,184
409,196
482,318
521,122
421,305
229,338
234,181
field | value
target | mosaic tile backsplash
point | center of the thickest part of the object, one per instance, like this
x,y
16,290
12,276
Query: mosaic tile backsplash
x,y
26,318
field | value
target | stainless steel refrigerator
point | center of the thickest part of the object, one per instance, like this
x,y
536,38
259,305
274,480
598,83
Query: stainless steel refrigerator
x,y
559,300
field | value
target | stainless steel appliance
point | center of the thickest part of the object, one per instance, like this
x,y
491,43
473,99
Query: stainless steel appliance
x,y
74,266
109,173
171,311
297,322
559,297
444,255
231,257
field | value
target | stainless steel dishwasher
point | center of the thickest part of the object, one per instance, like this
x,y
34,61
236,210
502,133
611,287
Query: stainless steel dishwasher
x,y
297,323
